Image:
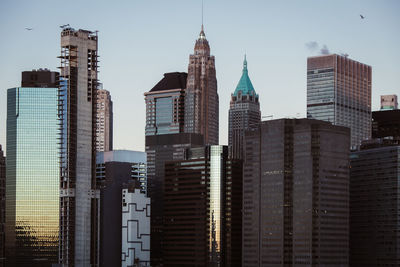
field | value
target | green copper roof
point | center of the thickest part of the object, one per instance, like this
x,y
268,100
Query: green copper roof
x,y
244,84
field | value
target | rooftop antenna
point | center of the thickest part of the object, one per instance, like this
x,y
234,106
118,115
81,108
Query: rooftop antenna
x,y
202,13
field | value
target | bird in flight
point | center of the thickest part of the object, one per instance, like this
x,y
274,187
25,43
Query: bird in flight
x,y
28,29
362,17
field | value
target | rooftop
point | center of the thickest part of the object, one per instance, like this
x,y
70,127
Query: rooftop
x,y
171,80
245,86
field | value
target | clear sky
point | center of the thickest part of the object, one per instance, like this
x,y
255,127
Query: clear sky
x,y
140,40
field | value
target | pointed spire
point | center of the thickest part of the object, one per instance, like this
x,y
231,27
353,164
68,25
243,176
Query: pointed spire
x,y
245,63
202,34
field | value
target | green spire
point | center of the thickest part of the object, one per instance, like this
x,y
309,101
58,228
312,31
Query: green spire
x,y
244,85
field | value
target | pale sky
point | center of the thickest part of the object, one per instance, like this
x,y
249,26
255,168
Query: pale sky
x,y
140,40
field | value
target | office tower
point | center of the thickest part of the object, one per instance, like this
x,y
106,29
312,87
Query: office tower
x,y
296,194
2,204
165,140
386,123
389,102
159,149
104,121
203,209
244,112
135,226
32,184
374,204
113,170
339,91
165,105
78,194
201,100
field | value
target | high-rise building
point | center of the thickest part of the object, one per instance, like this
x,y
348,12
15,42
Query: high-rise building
x,y
104,121
135,226
201,100
374,204
2,205
165,105
339,91
389,102
78,194
159,149
165,141
203,209
244,112
296,194
114,170
32,184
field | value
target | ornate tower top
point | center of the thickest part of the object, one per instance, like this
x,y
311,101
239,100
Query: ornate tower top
x,y
245,86
202,47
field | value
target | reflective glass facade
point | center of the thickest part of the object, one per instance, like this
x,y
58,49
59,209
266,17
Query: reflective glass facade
x,y
203,209
339,91
32,185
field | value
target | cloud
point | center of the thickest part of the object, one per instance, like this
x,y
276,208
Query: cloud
x,y
313,46
324,50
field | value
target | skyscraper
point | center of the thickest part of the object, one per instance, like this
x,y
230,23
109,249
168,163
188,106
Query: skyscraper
x,y
296,194
244,112
78,194
339,91
201,100
2,205
165,141
203,209
374,204
115,169
104,121
32,184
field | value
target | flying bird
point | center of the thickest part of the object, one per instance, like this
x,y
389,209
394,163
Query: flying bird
x,y
28,29
362,17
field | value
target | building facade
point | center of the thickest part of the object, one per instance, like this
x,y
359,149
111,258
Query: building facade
x,y
115,169
201,100
203,204
135,226
244,112
375,205
296,194
32,184
78,195
165,108
2,205
40,78
386,124
104,121
389,102
159,149
339,91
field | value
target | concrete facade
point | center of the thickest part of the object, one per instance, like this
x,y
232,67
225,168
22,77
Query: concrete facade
x,y
104,121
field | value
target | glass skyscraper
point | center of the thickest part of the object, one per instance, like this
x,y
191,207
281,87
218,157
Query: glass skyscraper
x,y
32,184
339,91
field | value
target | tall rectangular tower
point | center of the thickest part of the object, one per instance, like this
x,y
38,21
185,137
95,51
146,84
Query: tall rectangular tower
x,y
339,91
104,121
296,194
203,209
32,184
78,194
374,204
201,100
